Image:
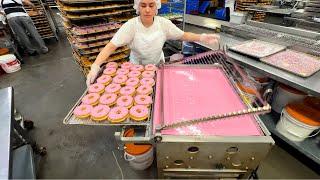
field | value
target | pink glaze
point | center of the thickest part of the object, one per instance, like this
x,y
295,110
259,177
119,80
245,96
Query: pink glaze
x,y
126,65
122,71
110,71
112,88
82,110
150,67
112,65
90,98
143,100
118,113
108,99
147,81
125,101
139,111
148,74
100,111
134,74
127,90
137,67
96,88
120,79
144,89
134,82
104,79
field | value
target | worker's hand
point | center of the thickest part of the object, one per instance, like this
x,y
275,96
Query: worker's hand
x,y
92,74
210,39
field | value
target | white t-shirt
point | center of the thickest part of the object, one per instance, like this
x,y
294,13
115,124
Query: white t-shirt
x,y
146,43
15,14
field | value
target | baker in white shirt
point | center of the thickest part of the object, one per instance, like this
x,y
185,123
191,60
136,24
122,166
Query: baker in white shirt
x,y
145,35
20,23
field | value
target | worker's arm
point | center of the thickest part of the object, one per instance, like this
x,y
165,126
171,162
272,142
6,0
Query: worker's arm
x,y
204,38
29,3
188,36
105,54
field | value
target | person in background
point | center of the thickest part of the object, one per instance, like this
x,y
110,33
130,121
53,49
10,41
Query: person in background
x,y
21,23
145,35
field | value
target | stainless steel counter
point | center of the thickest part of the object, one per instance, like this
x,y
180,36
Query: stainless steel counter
x,y
6,111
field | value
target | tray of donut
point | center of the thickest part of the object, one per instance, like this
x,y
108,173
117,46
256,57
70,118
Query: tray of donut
x,y
123,94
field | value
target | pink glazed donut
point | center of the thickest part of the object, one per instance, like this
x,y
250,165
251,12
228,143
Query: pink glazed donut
x,y
91,99
137,67
118,114
143,100
120,79
122,71
125,101
134,74
100,112
127,91
150,67
147,81
104,79
134,82
144,90
82,111
113,88
139,112
108,99
112,65
148,74
126,65
110,71
96,88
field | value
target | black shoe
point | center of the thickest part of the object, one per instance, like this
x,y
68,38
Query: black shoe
x,y
33,54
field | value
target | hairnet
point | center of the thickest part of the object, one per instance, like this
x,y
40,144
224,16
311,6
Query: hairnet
x,y
136,5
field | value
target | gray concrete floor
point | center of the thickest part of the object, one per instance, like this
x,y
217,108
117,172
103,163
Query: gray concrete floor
x,y
45,90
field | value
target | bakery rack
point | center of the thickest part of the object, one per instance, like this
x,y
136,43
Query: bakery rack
x,y
90,25
243,5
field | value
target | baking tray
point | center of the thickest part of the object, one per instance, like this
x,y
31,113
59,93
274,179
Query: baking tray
x,y
71,119
257,48
298,63
95,9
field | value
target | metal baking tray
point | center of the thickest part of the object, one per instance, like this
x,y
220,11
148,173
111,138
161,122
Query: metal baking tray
x,y
257,48
95,9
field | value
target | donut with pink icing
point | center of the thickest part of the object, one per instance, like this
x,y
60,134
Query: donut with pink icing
x,y
110,71
113,88
144,90
150,67
122,71
104,79
120,79
125,101
139,113
91,99
147,81
126,65
118,114
112,65
134,74
148,74
137,67
96,88
108,99
100,112
142,100
82,111
127,91
134,82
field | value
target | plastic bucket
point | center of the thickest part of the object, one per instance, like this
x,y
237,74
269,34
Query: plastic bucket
x,y
293,129
285,95
10,63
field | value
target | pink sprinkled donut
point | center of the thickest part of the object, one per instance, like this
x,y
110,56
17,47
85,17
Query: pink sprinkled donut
x,y
122,71
110,71
139,112
143,100
144,89
147,81
134,74
82,111
148,74
126,65
100,112
104,79
150,67
120,79
127,91
96,88
125,101
112,65
118,114
113,88
91,99
137,67
108,99
134,82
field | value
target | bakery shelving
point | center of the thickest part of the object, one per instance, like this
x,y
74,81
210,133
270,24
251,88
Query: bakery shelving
x,y
243,5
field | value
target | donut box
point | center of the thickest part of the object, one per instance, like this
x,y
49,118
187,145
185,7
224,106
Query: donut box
x,y
123,94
